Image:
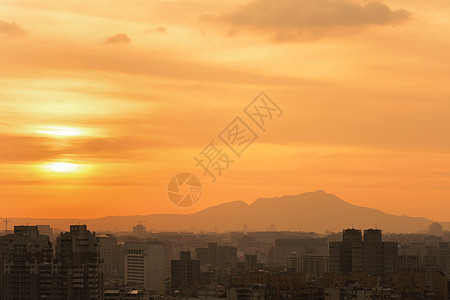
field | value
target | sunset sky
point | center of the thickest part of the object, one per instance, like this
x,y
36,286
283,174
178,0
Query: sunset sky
x,y
102,102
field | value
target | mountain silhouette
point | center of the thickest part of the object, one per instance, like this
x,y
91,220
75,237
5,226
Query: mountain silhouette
x,y
315,211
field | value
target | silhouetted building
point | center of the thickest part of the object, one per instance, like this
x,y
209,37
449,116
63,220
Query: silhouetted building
x,y
438,258
347,256
372,255
145,266
25,265
251,262
112,257
217,256
77,265
185,274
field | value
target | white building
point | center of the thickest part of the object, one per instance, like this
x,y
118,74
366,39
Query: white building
x,y
145,266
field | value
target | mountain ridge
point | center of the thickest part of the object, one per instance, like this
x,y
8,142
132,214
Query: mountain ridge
x,y
316,211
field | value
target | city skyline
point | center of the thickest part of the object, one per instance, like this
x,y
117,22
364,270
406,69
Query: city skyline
x,y
37,262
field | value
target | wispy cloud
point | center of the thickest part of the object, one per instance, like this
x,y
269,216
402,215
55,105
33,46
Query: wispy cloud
x,y
160,29
120,38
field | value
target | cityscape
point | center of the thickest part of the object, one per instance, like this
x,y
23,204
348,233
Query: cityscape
x,y
36,262
237,149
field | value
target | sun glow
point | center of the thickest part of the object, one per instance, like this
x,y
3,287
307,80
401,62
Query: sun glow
x,y
62,167
60,131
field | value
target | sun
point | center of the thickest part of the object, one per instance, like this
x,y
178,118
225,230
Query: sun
x,y
63,167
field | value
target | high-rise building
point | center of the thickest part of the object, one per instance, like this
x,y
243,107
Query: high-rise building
x,y
312,264
25,264
346,256
438,257
185,273
112,257
77,265
370,255
145,266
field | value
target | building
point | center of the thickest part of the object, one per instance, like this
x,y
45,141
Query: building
x,y
185,274
284,247
139,230
251,262
370,255
45,230
413,285
312,265
77,265
438,258
25,264
145,266
112,257
217,256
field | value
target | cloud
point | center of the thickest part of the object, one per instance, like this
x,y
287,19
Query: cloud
x,y
160,29
20,148
308,19
31,58
25,148
120,38
11,29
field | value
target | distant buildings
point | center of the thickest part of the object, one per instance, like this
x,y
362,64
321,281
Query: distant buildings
x,y
399,285
284,248
139,230
273,285
145,266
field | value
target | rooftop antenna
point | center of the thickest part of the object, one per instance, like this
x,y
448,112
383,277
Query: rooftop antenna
x,y
6,222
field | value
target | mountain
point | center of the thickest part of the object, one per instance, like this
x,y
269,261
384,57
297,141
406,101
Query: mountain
x,y
316,211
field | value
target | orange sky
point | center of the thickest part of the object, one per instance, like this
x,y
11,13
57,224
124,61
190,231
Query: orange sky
x,y
126,93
